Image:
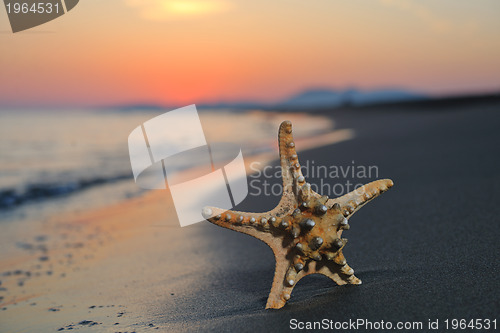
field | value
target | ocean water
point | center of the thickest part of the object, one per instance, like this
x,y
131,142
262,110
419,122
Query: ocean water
x,y
46,157
70,160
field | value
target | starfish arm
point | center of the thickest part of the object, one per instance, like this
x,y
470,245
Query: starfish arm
x,y
353,201
290,166
253,224
280,290
340,274
287,274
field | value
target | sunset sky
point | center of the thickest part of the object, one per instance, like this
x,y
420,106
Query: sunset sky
x,y
182,52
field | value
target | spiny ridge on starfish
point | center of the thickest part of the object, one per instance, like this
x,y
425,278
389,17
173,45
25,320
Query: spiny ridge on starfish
x,y
304,230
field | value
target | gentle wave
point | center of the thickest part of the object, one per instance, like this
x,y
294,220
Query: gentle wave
x,y
13,197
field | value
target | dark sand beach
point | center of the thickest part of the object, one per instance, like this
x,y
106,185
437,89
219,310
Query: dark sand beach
x,y
425,250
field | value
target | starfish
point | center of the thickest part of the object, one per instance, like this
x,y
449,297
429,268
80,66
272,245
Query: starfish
x,y
304,230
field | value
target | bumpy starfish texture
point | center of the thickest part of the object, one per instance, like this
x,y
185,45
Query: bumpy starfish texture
x,y
304,230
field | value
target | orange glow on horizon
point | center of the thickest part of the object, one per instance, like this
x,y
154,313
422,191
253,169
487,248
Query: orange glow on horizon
x,y
219,50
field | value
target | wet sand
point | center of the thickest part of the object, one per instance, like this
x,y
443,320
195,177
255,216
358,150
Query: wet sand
x,y
426,249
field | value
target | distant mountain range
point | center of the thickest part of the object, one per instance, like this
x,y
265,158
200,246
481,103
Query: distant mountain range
x,y
318,98
311,98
